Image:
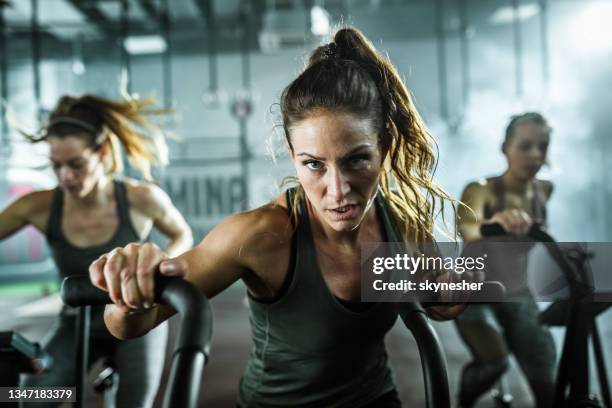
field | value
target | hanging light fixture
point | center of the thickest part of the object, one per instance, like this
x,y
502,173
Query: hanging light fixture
x,y
78,66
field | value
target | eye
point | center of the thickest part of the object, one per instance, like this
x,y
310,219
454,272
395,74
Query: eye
x,y
313,164
77,165
358,161
525,147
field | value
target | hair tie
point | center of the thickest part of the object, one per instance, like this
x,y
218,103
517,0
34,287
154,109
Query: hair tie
x,y
331,50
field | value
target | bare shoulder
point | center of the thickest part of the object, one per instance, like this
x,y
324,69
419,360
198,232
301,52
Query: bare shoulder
x,y
34,202
479,190
261,229
31,208
258,240
145,196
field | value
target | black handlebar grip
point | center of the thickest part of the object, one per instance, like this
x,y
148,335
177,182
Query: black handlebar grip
x,y
492,230
79,291
536,232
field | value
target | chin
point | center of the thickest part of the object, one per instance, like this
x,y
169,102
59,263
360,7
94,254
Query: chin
x,y
345,225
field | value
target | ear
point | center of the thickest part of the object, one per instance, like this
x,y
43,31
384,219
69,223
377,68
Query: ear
x,y
103,150
504,148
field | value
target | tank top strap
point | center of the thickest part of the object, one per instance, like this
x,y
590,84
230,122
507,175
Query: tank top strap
x,y
123,208
54,225
539,202
499,192
305,247
391,228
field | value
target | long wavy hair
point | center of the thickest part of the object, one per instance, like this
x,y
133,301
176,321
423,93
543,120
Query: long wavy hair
x,y
101,121
349,75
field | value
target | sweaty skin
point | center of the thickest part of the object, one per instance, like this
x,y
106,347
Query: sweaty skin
x,y
337,160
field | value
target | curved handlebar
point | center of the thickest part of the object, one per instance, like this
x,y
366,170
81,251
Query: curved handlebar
x,y
577,283
433,361
192,344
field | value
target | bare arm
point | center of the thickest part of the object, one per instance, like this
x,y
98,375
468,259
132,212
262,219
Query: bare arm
x,y
154,203
216,263
31,208
471,217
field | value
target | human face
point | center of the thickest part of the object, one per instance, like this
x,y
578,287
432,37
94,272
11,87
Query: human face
x,y
338,162
77,166
527,149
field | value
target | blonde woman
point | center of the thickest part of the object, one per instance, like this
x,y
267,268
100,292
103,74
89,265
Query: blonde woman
x,y
91,212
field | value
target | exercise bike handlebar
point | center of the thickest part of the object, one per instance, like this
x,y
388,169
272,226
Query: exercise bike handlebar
x,y
192,344
432,357
537,233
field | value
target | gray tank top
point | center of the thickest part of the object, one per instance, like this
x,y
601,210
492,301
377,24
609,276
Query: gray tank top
x,y
310,350
538,205
509,265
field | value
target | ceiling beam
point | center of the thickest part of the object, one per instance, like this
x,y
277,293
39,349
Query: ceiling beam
x,y
93,15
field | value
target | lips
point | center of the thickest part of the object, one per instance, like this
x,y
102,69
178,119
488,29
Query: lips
x,y
345,212
533,168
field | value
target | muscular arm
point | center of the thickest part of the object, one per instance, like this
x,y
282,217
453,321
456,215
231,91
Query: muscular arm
x,y
470,218
31,208
232,250
154,203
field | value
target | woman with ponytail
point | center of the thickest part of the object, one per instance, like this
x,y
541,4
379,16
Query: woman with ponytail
x,y
353,135
93,211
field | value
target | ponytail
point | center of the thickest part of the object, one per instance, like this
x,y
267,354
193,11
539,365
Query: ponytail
x,y
103,122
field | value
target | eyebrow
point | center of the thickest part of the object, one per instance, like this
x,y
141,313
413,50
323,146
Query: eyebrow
x,y
353,151
70,161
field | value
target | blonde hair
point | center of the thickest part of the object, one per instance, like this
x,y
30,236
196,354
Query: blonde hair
x,y
113,123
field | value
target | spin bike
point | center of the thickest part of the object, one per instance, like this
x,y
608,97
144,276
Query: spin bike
x,y
193,342
579,315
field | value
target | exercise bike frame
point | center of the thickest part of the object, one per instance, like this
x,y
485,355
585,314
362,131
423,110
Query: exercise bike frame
x,y
580,322
192,344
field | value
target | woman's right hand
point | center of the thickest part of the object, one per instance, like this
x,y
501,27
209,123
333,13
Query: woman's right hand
x,y
514,221
127,274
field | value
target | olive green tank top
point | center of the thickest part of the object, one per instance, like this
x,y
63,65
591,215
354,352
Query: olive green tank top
x,y
309,349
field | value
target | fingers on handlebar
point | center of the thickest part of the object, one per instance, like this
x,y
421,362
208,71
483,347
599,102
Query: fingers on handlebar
x,y
513,221
130,291
114,264
173,267
149,259
96,273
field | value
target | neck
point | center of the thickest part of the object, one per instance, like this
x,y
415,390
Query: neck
x,y
515,184
99,196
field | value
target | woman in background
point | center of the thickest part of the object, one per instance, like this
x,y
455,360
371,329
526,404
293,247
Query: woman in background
x,y
93,211
515,200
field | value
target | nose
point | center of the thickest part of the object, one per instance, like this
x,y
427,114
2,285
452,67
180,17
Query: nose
x,y
337,185
65,174
536,154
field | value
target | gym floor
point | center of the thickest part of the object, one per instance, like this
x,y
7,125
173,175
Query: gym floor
x,y
231,347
